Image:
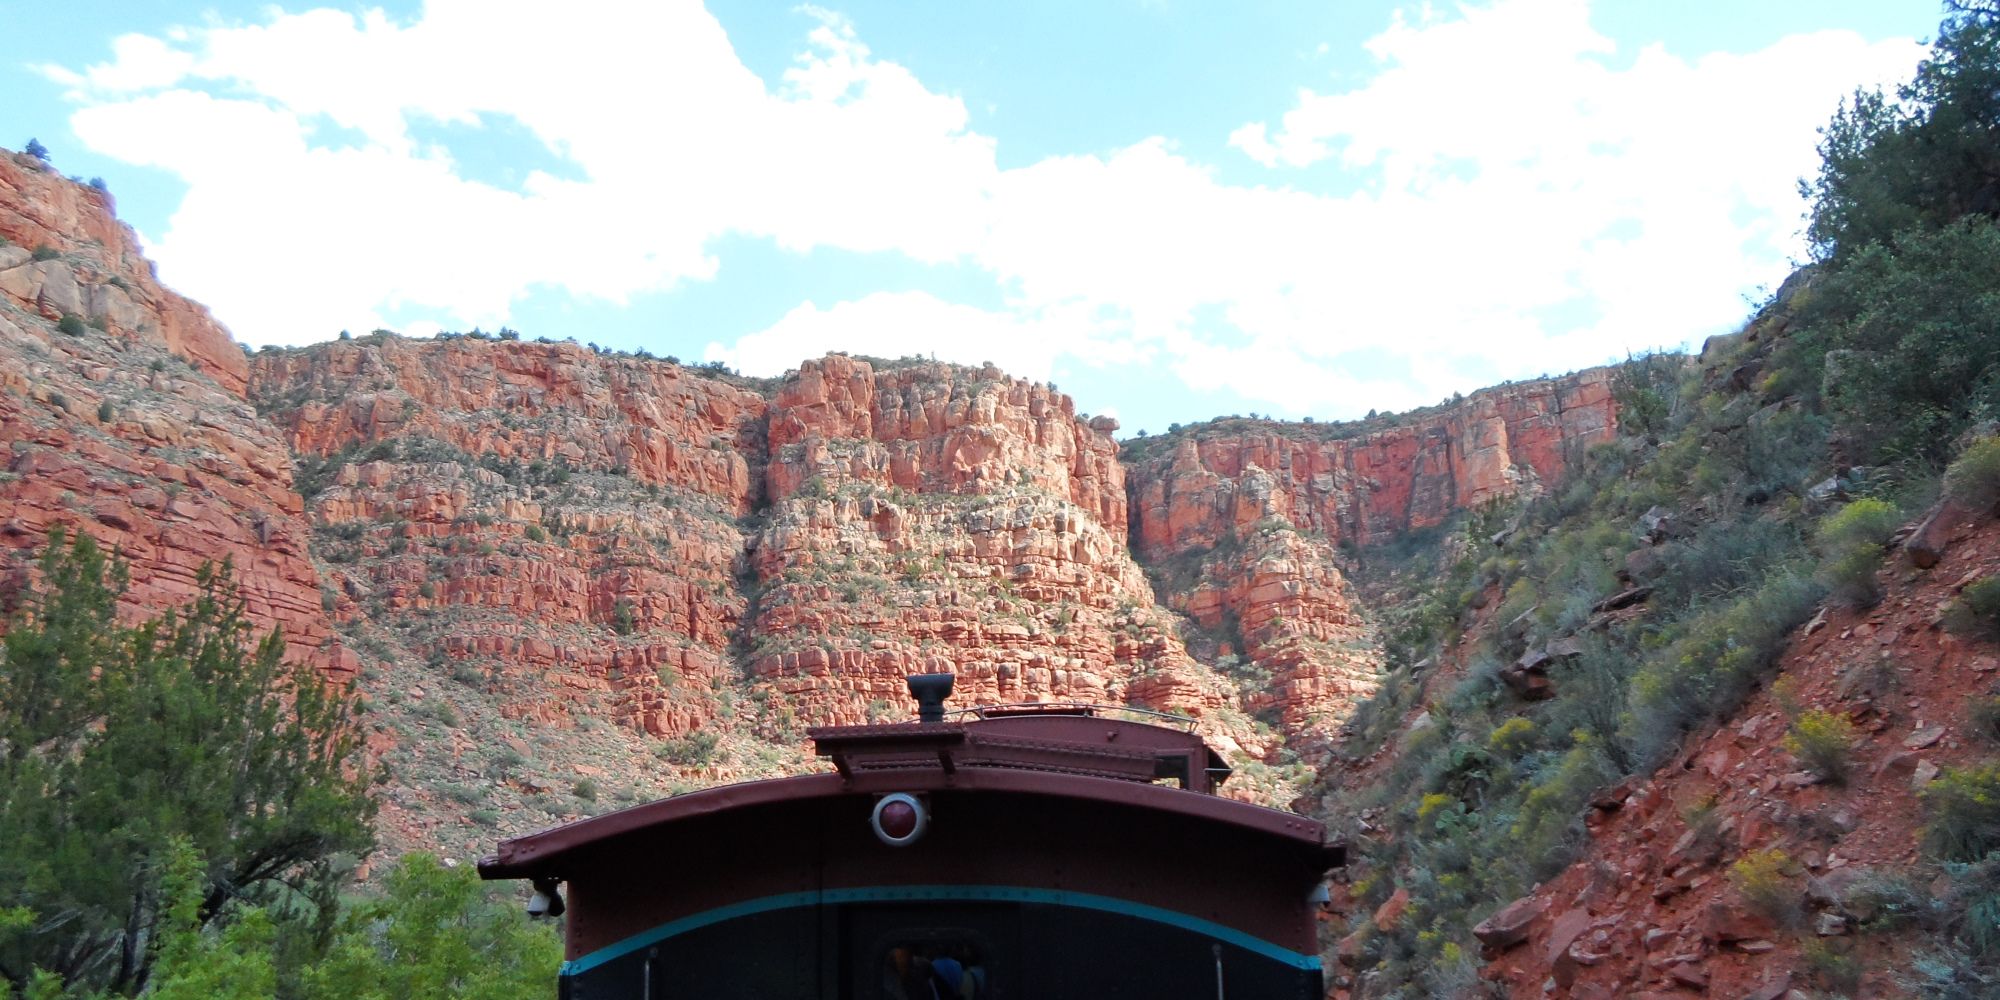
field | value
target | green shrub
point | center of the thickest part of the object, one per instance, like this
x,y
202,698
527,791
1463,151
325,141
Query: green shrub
x,y
1550,820
585,790
1867,521
504,762
1982,717
536,534
1703,816
1512,738
1851,541
71,324
1831,967
1766,880
1976,610
441,710
106,412
46,252
464,795
1972,902
1973,480
695,748
1715,664
434,934
1962,812
1822,742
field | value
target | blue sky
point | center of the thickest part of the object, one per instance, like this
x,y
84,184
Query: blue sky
x,y
1172,209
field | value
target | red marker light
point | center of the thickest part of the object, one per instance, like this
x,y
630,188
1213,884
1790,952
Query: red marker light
x,y
899,819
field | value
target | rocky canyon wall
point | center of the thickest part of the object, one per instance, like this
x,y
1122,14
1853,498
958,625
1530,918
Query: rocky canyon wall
x,y
1366,481
554,568
1241,522
121,414
933,517
563,521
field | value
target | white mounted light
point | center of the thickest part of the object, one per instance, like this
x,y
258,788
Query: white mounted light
x,y
1320,894
899,819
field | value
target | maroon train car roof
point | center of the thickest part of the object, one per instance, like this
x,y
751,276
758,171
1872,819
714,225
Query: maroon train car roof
x,y
1067,752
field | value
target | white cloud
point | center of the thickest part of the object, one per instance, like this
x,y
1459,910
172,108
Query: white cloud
x,y
289,239
1535,173
1509,162
900,324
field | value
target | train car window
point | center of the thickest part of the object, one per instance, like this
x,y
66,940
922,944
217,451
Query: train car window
x,y
935,964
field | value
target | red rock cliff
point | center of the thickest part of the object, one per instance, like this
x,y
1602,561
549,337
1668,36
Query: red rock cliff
x,y
556,518
1214,479
937,428
1240,521
944,518
132,427
99,273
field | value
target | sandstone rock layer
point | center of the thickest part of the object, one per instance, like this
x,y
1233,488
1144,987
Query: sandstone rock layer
x,y
130,424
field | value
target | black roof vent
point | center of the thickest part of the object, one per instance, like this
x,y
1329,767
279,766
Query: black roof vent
x,y
930,690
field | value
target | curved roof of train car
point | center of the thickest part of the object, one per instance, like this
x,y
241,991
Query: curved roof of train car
x,y
546,854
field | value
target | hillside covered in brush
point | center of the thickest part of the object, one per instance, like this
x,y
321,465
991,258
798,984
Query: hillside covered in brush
x,y
1717,715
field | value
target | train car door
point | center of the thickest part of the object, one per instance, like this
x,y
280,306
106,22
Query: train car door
x,y
914,951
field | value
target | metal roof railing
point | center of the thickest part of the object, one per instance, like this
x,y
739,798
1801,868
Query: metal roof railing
x,y
1183,722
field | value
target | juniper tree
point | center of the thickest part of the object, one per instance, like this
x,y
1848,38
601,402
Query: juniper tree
x,y
116,741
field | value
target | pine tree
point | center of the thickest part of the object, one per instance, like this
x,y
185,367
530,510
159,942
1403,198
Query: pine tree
x,y
116,742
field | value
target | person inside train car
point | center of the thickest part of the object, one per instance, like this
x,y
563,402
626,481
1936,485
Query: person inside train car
x,y
948,978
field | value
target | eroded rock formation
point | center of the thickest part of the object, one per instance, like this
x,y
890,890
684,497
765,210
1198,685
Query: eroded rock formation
x,y
941,518
562,521
1361,482
121,415
553,567
1241,522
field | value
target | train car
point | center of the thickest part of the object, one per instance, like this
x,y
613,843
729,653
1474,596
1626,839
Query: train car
x,y
1029,852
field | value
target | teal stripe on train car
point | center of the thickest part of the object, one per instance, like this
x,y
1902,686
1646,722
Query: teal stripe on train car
x,y
943,894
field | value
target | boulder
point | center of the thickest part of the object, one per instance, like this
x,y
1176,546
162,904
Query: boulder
x,y
1927,544
1390,913
1509,926
1623,599
1730,920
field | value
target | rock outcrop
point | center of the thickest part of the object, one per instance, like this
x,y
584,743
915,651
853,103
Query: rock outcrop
x,y
561,521
1241,522
88,264
582,537
1370,481
121,415
941,518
